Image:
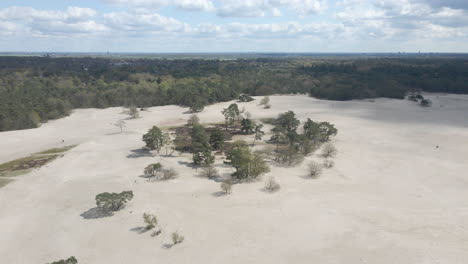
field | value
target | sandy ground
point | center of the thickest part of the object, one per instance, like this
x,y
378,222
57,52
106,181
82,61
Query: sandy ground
x,y
392,197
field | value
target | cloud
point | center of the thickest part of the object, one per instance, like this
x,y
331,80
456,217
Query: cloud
x,y
261,8
189,5
133,22
43,22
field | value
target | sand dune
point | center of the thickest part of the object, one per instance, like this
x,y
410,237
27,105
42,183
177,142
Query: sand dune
x,y
392,197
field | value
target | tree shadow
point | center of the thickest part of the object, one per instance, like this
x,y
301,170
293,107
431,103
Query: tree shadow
x,y
138,153
167,245
219,194
95,213
188,164
139,229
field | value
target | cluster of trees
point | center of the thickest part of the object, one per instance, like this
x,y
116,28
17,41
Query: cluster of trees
x,y
291,146
37,89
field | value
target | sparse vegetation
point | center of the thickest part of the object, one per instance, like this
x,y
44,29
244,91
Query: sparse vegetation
x,y
120,124
193,120
150,220
226,187
111,202
315,169
425,103
328,163
133,112
245,98
265,102
271,185
177,238
56,150
70,260
328,150
156,171
209,171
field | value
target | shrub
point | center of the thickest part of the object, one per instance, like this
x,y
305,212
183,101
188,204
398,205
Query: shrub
x,y
70,260
193,120
315,169
150,220
328,163
133,112
177,238
265,101
271,185
245,98
113,201
209,171
226,187
153,170
425,103
169,174
328,150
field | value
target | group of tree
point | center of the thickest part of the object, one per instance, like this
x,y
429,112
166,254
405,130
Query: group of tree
x,y
292,146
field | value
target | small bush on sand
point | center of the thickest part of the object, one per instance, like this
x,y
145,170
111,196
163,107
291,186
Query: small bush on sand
x,y
193,120
209,171
169,174
177,238
70,260
150,220
265,102
315,169
153,170
271,185
110,202
226,187
328,163
133,112
328,150
425,103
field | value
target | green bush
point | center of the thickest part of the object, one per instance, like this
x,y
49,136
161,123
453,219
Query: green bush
x,y
110,202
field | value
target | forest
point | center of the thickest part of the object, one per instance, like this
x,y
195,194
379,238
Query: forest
x,y
35,89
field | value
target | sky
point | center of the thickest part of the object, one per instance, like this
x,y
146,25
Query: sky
x,y
233,26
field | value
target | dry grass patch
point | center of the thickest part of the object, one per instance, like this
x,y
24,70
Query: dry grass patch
x,y
24,165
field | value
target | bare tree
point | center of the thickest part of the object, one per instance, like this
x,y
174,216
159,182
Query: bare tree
x,y
226,187
271,185
315,169
328,150
120,124
209,171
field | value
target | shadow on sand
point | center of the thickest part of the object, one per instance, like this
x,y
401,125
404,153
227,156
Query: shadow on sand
x,y
95,213
138,153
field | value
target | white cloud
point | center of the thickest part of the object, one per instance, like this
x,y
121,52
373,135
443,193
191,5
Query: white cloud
x,y
124,21
190,5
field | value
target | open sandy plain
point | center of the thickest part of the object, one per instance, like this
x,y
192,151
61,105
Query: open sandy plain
x,y
393,196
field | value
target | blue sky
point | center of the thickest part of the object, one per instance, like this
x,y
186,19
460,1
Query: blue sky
x,y
234,26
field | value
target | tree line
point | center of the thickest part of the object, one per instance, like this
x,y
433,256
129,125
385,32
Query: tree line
x,y
34,90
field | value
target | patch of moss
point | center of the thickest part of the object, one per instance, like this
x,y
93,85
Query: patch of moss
x,y
4,182
56,150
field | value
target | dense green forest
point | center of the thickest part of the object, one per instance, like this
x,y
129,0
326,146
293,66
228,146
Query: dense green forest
x,y
36,89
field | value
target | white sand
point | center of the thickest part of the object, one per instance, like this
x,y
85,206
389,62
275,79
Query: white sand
x,y
392,197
